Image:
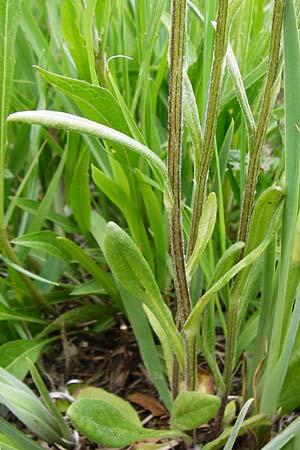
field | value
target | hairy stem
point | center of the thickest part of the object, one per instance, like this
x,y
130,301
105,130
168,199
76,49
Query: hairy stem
x,y
177,47
265,111
210,122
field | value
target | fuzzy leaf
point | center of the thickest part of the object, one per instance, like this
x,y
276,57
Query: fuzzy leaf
x,y
192,409
103,424
117,402
132,270
205,231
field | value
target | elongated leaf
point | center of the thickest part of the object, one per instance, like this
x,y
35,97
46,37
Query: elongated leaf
x,y
132,270
163,338
80,191
95,102
228,259
238,424
17,437
102,423
9,19
137,318
240,90
77,124
13,355
191,118
76,316
205,231
45,241
51,406
262,216
70,24
123,406
32,207
252,423
272,390
88,30
142,331
288,439
292,175
85,261
6,444
27,273
24,404
193,409
12,315
192,323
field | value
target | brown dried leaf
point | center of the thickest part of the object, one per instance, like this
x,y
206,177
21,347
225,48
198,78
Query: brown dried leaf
x,y
149,403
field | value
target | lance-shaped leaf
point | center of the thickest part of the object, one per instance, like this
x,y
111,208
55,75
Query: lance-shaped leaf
x,y
102,423
205,231
85,261
25,405
192,323
132,270
9,15
20,440
70,122
228,259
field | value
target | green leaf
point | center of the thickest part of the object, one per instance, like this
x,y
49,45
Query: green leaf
x,y
27,273
205,231
71,11
88,288
262,216
272,390
193,409
163,338
10,314
9,20
103,424
17,437
142,331
192,323
80,191
13,355
45,241
288,439
69,122
191,118
290,394
121,405
252,423
32,206
227,260
131,269
51,406
95,102
238,424
6,444
76,316
25,405
85,261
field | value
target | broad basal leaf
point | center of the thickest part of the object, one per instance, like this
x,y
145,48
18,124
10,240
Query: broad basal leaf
x,y
192,409
102,423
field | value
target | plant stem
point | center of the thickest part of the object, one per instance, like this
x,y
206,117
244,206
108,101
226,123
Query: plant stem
x,y
210,122
177,46
267,104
